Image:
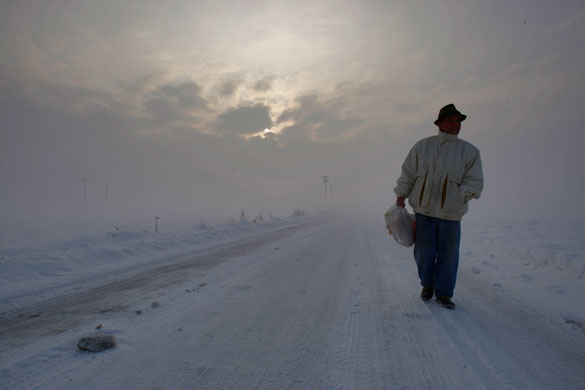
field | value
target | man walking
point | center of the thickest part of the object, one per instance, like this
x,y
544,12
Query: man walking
x,y
439,176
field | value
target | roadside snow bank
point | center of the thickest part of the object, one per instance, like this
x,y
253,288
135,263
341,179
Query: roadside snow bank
x,y
540,263
35,268
535,245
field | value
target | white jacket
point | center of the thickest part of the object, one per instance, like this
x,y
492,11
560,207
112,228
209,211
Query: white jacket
x,y
440,175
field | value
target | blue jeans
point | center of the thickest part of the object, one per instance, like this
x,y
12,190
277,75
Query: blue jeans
x,y
436,251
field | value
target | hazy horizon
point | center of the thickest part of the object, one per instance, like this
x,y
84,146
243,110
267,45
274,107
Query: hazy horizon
x,y
197,110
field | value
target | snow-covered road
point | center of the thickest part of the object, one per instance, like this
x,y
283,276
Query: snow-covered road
x,y
329,305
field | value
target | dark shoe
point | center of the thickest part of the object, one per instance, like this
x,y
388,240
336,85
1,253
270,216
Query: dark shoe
x,y
427,293
446,302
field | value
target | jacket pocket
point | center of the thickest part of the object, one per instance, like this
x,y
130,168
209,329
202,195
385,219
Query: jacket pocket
x,y
451,197
417,193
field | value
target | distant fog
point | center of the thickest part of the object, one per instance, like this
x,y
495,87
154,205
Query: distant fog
x,y
197,112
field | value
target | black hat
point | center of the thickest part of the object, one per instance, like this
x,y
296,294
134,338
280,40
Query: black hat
x,y
448,110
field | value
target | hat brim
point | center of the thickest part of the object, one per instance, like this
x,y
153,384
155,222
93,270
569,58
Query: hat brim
x,y
463,116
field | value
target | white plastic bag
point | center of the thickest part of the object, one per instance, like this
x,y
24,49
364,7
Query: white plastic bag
x,y
401,224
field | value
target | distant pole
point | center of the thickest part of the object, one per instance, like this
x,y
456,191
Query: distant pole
x,y
325,180
331,194
107,188
84,193
156,223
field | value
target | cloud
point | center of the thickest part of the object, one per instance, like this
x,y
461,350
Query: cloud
x,y
244,120
263,85
369,83
228,87
174,102
304,105
330,119
572,19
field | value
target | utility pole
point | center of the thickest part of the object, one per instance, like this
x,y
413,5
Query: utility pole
x,y
84,193
325,180
330,194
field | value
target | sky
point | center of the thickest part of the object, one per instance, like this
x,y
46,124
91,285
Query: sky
x,y
194,109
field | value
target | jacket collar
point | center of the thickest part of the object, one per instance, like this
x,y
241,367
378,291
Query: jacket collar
x,y
446,137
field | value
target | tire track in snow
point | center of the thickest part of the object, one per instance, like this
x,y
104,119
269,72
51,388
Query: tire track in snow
x,y
65,312
334,306
402,317
306,341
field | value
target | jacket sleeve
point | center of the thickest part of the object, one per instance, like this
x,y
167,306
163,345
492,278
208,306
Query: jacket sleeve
x,y
472,182
407,177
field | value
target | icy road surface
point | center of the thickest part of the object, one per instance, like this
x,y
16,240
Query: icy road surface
x,y
327,305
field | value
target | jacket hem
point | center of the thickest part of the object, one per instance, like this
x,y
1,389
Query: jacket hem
x,y
445,216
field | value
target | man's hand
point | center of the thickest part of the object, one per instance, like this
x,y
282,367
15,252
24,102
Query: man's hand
x,y
400,201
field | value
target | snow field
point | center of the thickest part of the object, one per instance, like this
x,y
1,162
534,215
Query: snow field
x,y
32,269
541,263
327,305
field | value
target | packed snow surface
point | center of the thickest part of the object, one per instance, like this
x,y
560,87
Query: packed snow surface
x,y
299,303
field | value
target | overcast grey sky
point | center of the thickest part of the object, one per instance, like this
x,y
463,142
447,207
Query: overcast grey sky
x,y
139,93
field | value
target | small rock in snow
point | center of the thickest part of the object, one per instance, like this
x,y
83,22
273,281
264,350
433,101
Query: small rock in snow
x,y
99,326
476,271
97,342
138,312
154,305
